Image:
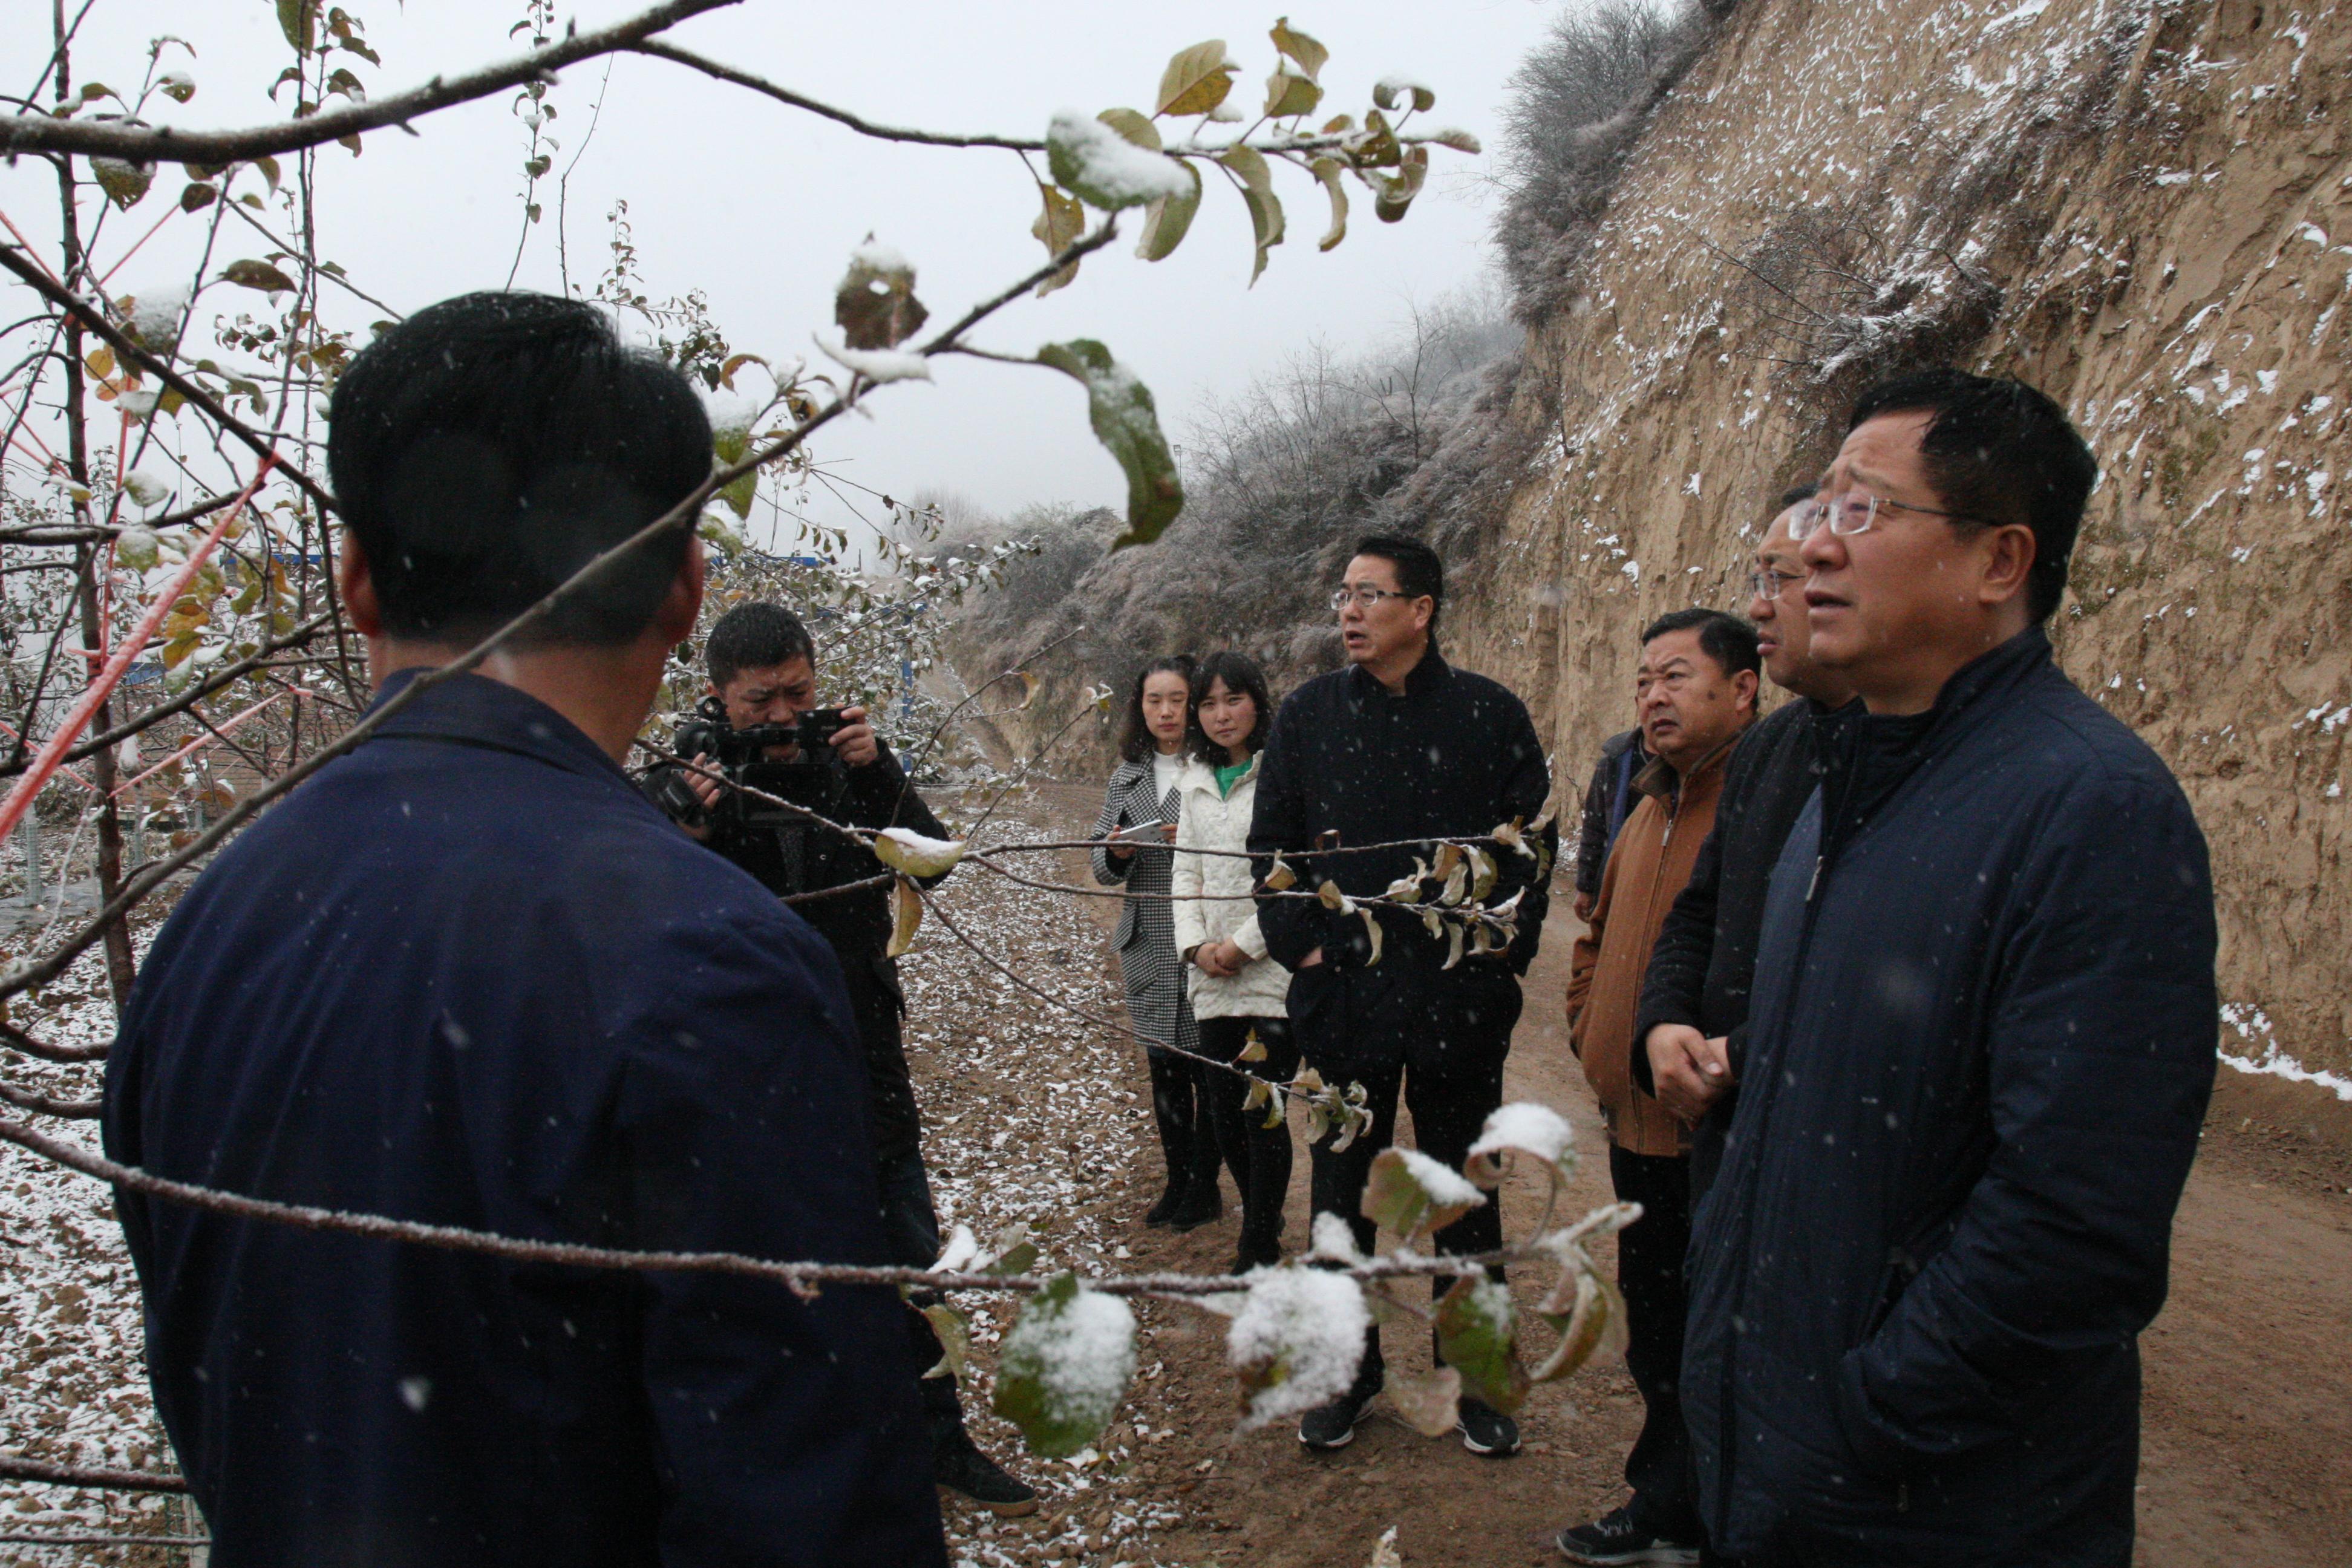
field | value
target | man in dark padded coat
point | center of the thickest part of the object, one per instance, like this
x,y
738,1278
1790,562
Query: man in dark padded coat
x,y
467,975
1398,746
1980,1046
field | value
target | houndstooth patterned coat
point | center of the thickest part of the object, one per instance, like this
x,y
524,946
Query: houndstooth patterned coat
x,y
1146,936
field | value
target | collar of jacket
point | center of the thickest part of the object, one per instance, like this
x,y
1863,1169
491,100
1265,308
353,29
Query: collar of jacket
x,y
1200,776
1661,781
1422,678
475,711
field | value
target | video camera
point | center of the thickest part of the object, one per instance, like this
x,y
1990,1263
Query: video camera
x,y
742,756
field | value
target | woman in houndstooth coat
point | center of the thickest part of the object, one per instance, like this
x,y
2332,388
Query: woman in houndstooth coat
x,y
1143,794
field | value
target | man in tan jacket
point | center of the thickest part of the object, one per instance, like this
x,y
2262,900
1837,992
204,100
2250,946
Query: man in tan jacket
x,y
1695,692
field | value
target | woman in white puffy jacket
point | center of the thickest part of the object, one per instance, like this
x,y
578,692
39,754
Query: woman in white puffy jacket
x,y
1235,989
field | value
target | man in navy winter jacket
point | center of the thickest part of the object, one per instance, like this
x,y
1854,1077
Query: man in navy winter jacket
x,y
1980,1043
467,975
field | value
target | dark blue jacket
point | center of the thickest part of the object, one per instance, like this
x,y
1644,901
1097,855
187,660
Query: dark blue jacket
x,y
467,975
1979,1048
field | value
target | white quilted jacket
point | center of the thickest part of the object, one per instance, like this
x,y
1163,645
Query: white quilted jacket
x,y
1209,822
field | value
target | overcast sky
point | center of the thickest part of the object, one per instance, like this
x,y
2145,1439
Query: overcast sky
x,y
759,205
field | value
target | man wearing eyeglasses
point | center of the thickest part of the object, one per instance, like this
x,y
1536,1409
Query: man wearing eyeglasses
x,y
1980,1045
1398,749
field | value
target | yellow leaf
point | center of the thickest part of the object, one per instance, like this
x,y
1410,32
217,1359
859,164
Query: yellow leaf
x,y
1196,79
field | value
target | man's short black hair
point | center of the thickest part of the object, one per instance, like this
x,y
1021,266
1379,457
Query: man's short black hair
x,y
1724,638
488,447
755,636
1998,452
1418,569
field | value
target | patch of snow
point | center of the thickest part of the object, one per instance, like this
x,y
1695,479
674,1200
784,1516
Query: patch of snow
x,y
1306,1325
155,313
1537,1128
1443,1184
1106,168
876,365
881,257
2255,1028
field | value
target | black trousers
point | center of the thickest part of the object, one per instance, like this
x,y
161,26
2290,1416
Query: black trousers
x,y
1180,1110
1258,1155
1449,1109
1650,1272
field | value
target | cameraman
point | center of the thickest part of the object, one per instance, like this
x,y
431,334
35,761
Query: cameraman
x,y
762,669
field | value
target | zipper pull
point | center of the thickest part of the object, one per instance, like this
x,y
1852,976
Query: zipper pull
x,y
1812,886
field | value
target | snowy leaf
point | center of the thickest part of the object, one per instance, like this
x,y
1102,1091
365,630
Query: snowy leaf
x,y
1372,928
1535,1131
1329,896
137,549
1058,227
1128,425
125,184
1396,192
1260,1092
1280,876
1477,1336
1134,127
1392,88
1596,1324
1064,1366
1196,79
1414,1196
1252,1049
178,86
1377,147
1257,193
874,304
1104,169
1289,94
1298,1340
1309,55
1484,871
905,917
720,534
146,488
1328,170
1384,1550
955,1342
1430,1405
904,850
294,19
1168,219
1461,141
261,275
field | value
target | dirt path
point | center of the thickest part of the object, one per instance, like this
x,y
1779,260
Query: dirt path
x,y
2248,1445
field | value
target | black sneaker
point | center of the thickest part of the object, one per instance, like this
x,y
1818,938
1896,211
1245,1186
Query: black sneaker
x,y
1333,1426
960,1467
1614,1538
1487,1431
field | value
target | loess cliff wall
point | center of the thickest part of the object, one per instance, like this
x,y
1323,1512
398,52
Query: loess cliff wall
x,y
2143,208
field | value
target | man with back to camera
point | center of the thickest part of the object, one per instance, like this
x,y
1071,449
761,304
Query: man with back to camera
x,y
1398,746
1692,1027
466,975
1695,693
1979,1047
762,667
1608,799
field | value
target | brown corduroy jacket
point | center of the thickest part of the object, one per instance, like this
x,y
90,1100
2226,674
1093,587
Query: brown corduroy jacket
x,y
1648,866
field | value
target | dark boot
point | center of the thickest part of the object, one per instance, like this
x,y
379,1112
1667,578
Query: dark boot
x,y
1176,1114
957,1463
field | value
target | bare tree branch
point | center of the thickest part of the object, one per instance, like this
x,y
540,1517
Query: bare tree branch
x,y
153,144
863,127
